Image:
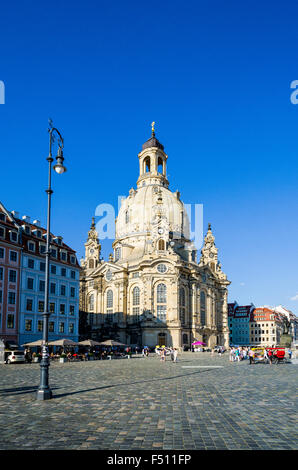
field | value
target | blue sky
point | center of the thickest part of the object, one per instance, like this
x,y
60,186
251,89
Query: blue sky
x,y
215,76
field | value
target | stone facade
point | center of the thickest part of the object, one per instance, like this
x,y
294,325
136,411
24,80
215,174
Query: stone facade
x,y
152,289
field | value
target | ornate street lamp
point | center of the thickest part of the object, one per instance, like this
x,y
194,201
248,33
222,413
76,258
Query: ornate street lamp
x,y
44,392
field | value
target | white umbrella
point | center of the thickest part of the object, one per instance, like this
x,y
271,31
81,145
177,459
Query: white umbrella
x,y
63,342
89,342
111,342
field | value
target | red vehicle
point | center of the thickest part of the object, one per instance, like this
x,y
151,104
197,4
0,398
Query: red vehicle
x,y
278,355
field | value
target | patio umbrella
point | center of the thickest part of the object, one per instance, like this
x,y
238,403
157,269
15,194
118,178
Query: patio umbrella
x,y
39,342
89,342
63,342
111,342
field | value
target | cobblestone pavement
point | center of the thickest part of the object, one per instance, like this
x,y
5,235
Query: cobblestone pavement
x,y
142,403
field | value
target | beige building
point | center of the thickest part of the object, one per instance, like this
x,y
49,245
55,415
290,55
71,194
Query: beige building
x,y
152,289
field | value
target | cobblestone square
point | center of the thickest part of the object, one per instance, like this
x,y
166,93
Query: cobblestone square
x,y
200,402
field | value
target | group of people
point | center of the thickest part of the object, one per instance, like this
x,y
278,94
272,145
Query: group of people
x,y
163,352
238,354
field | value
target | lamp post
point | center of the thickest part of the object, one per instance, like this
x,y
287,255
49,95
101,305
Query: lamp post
x,y
44,392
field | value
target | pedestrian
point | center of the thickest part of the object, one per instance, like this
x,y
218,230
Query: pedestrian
x,y
251,356
270,356
290,353
172,353
175,354
163,355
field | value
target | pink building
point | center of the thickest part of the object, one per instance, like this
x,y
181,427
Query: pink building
x,y
10,259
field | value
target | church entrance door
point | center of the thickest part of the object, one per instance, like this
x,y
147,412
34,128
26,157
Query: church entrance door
x,y
161,339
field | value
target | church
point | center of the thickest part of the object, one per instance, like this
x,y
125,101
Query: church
x,y
152,290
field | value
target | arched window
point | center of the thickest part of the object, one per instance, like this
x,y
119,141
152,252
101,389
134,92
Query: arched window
x,y
161,245
91,302
91,263
117,253
147,165
182,304
161,301
109,304
136,301
203,307
160,165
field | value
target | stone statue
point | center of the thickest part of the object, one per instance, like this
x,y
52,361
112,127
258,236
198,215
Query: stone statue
x,y
286,325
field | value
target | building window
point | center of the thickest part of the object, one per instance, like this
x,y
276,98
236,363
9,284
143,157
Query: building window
x,y
53,253
61,327
72,292
51,326
14,236
2,216
1,274
62,309
1,252
28,325
109,304
30,282
117,253
203,307
161,245
31,246
12,276
40,305
62,290
109,298
52,307
31,263
72,274
0,300
136,296
39,325
53,269
72,259
63,255
42,248
2,232
71,309
91,302
71,328
29,305
11,298
13,256
63,272
161,302
52,288
42,266
42,286
182,304
161,268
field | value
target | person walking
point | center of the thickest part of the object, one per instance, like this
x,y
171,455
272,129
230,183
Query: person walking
x,y
270,356
163,355
251,356
172,354
175,354
266,358
290,353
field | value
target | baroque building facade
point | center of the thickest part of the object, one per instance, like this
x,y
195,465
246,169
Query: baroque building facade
x,y
152,289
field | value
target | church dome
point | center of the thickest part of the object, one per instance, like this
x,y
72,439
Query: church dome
x,y
150,207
